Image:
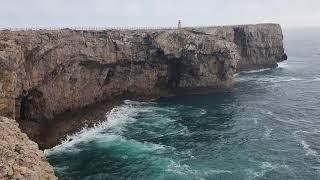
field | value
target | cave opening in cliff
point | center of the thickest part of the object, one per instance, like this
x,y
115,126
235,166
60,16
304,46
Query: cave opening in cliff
x,y
30,105
174,73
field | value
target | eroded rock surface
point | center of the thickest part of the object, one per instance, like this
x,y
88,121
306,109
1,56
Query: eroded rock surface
x,y
46,73
20,157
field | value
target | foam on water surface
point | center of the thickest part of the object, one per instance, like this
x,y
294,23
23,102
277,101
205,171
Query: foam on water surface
x,y
114,123
265,128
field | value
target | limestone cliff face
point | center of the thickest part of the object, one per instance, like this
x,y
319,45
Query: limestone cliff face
x,y
20,158
44,73
260,47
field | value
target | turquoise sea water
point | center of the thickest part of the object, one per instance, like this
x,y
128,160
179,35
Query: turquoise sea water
x,y
267,127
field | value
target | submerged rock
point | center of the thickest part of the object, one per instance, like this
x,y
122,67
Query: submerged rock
x,y
20,157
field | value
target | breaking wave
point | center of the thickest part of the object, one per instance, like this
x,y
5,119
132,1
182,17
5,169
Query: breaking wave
x,y
255,71
283,64
114,123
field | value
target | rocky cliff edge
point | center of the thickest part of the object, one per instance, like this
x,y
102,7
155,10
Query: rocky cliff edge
x,y
20,157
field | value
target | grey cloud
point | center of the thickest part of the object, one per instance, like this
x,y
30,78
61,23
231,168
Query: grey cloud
x,y
21,13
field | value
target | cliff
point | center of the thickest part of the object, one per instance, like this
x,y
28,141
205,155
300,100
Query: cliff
x,y
46,73
20,158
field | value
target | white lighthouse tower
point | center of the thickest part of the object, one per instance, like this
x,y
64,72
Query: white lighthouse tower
x,y
179,24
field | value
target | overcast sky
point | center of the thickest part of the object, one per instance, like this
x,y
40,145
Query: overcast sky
x,y
45,13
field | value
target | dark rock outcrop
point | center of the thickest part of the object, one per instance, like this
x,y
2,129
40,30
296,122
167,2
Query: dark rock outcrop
x,y
45,73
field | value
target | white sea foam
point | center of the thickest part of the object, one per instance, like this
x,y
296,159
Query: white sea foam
x,y
316,79
184,169
203,112
263,169
179,168
130,102
218,171
288,121
313,80
280,65
287,79
267,132
314,131
112,140
189,153
184,130
272,79
283,64
308,149
255,71
115,122
264,111
279,79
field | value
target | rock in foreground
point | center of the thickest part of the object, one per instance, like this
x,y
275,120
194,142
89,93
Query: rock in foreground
x,y
20,157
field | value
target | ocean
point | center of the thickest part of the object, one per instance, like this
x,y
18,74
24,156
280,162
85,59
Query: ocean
x,y
266,127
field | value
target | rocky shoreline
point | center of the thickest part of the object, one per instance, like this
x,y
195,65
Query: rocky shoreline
x,y
54,81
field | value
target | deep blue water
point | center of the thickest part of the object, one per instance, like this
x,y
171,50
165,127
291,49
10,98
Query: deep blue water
x,y
267,127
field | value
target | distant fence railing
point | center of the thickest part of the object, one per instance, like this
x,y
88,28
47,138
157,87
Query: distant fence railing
x,y
97,28
84,28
